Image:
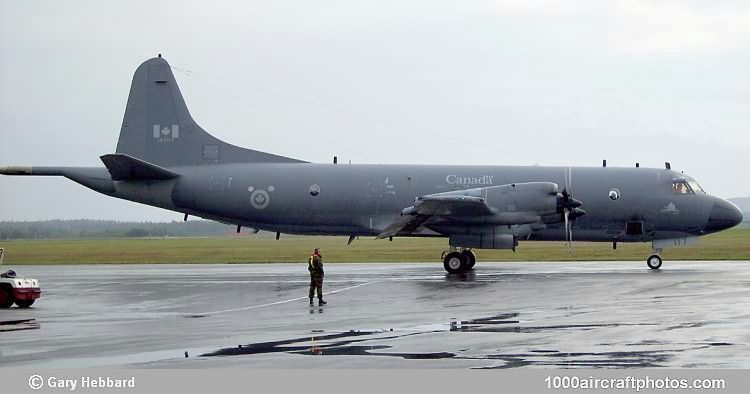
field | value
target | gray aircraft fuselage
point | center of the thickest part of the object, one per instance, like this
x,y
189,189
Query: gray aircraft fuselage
x,y
363,199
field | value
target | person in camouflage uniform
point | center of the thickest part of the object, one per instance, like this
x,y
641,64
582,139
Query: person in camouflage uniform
x,y
315,266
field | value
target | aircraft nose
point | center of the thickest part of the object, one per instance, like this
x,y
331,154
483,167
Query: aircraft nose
x,y
723,215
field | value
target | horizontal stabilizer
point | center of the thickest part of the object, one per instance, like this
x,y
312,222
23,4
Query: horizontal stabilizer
x,y
15,170
127,168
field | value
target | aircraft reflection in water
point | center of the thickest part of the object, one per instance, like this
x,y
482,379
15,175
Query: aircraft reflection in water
x,y
165,159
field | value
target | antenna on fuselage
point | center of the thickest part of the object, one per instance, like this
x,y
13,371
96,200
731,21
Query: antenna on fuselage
x,y
667,165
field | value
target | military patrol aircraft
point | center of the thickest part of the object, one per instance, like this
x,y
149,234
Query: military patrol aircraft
x,y
165,159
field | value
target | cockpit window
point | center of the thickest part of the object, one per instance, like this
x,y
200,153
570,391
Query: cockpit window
x,y
681,187
686,185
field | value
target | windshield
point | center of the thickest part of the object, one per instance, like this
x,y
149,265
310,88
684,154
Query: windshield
x,y
681,187
695,186
686,186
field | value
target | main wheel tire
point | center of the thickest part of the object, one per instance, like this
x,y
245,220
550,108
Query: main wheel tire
x,y
470,258
454,263
654,262
24,303
6,298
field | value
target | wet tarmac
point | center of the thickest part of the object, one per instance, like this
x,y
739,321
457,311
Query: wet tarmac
x,y
502,315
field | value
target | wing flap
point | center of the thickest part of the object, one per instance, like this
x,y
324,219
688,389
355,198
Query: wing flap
x,y
404,225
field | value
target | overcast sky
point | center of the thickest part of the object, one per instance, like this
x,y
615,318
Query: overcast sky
x,y
516,82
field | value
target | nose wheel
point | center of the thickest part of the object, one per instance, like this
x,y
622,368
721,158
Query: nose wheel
x,y
654,262
456,262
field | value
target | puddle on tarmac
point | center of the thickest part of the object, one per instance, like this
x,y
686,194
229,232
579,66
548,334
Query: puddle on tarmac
x,y
376,343
18,325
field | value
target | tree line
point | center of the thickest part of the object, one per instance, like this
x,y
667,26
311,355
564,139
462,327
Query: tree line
x,y
71,229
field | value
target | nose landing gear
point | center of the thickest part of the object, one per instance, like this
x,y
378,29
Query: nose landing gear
x,y
654,262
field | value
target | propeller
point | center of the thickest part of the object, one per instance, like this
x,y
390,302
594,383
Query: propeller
x,y
569,207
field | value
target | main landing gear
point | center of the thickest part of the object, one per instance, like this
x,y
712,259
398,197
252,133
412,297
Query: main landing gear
x,y
456,262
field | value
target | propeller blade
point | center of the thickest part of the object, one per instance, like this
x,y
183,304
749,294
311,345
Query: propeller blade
x,y
569,181
576,213
569,205
570,238
567,224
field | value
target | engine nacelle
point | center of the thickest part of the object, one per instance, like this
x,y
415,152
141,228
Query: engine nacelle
x,y
539,198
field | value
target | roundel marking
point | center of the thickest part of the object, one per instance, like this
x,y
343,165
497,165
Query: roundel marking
x,y
260,199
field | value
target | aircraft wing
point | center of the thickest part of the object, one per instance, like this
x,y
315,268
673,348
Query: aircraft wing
x,y
435,205
512,204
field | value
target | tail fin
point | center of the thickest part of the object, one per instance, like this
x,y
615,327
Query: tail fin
x,y
158,128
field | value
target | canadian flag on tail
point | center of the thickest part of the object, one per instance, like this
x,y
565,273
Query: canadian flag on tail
x,y
166,134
